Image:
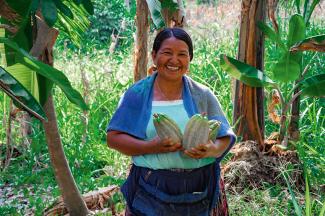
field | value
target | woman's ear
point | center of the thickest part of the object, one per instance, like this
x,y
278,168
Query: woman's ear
x,y
153,56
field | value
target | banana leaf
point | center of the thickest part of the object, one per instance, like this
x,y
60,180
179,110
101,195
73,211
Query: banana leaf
x,y
314,43
49,72
20,95
155,11
314,86
245,73
297,30
271,34
287,68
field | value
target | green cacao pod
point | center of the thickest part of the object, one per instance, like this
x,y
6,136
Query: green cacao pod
x,y
214,126
196,131
167,127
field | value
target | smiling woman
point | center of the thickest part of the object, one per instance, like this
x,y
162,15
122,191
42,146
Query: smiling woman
x,y
166,179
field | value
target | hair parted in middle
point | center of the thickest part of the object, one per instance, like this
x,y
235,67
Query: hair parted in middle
x,y
178,33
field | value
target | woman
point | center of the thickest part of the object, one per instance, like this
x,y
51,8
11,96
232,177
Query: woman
x,y
165,179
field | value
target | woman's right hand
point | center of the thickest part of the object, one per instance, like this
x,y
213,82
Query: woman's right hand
x,y
158,145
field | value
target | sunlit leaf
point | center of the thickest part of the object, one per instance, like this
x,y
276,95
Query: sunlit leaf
x,y
314,86
26,77
244,72
271,34
315,43
20,95
49,72
155,11
297,30
49,12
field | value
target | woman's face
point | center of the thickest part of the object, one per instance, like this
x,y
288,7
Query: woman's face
x,y
172,59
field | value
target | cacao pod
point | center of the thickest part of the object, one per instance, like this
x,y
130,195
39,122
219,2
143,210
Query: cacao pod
x,y
214,126
196,131
167,127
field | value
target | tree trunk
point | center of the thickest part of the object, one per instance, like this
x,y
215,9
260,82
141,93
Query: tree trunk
x,y
42,49
70,193
141,41
249,107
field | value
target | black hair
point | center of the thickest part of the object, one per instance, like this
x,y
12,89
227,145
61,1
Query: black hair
x,y
178,33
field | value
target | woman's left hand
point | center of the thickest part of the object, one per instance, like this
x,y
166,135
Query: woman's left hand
x,y
209,149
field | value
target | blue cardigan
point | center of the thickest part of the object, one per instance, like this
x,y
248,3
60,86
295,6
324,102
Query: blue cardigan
x,y
134,109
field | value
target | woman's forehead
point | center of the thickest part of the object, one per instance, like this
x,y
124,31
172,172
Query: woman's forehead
x,y
173,42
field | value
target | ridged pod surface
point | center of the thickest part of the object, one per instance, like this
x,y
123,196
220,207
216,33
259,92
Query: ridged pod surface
x,y
196,131
167,128
214,126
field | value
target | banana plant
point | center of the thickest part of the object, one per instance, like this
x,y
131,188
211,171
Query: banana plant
x,y
156,7
290,66
29,81
309,87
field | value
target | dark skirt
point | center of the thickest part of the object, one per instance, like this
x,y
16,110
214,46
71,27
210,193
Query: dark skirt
x,y
166,192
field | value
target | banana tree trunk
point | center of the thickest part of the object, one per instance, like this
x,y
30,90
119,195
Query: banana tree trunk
x,y
294,120
42,49
249,107
141,40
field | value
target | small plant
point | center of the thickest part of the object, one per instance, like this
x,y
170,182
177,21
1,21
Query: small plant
x,y
310,87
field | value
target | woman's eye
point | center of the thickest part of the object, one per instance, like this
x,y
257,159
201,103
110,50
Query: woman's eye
x,y
167,53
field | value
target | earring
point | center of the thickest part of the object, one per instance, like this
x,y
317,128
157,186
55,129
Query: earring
x,y
152,69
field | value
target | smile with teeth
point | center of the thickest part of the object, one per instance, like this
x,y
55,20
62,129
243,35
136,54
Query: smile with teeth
x,y
172,68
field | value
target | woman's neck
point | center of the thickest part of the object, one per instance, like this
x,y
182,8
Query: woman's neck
x,y
167,90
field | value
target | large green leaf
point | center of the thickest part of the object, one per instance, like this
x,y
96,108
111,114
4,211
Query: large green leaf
x,y
49,12
21,96
244,72
297,30
49,72
270,33
287,68
155,11
314,86
314,43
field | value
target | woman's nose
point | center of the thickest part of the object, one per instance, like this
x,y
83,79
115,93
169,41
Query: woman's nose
x,y
174,58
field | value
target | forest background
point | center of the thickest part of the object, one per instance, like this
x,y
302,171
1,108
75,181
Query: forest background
x,y
101,68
